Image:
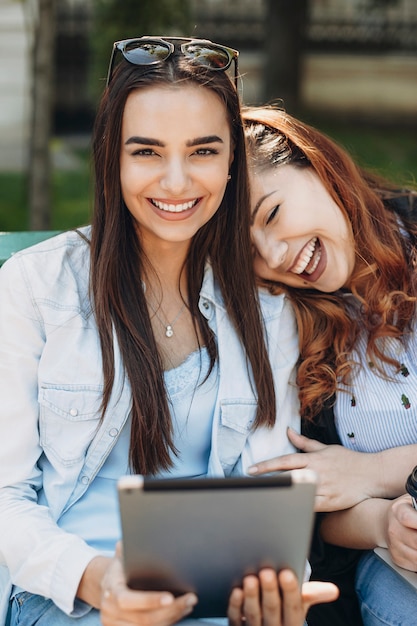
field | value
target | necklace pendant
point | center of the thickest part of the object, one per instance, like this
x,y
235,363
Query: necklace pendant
x,y
169,332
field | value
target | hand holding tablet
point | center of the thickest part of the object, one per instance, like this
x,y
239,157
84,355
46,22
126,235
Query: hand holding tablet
x,y
205,535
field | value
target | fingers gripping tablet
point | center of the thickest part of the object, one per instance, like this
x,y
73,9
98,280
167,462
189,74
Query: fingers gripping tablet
x,y
204,535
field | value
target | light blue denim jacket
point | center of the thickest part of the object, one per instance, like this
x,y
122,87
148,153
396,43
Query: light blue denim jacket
x,y
52,443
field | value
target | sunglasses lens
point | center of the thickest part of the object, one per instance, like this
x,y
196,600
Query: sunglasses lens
x,y
149,51
211,57
145,53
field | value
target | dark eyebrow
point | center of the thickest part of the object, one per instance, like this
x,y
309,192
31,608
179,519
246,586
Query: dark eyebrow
x,y
257,206
201,140
145,141
198,141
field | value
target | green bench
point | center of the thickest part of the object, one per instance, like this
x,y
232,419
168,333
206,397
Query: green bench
x,y
11,242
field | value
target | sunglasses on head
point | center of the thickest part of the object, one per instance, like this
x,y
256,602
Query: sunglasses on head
x,y
152,50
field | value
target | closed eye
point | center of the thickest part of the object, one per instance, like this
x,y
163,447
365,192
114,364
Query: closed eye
x,y
272,214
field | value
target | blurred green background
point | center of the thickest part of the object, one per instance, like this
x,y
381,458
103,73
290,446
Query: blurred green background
x,y
392,152
302,51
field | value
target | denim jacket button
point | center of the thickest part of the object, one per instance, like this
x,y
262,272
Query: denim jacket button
x,y
74,412
113,432
85,480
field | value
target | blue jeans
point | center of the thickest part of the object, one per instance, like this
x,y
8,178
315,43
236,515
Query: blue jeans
x,y
384,596
31,610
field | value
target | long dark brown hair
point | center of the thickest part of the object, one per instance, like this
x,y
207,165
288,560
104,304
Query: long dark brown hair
x,y
384,279
118,263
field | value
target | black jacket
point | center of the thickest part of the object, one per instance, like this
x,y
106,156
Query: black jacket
x,y
328,562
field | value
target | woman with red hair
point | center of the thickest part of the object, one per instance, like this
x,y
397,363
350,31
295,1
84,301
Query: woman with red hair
x,y
342,244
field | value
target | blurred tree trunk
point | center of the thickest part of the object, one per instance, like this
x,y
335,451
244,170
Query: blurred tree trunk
x,y
40,170
285,35
121,19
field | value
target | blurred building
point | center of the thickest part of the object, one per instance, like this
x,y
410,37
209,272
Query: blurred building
x,y
334,24
15,45
360,58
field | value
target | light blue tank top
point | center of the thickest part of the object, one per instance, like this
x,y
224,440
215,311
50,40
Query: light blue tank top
x,y
95,517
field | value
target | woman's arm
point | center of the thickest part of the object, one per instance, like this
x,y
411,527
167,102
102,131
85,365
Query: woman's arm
x,y
363,526
30,541
388,524
90,587
347,477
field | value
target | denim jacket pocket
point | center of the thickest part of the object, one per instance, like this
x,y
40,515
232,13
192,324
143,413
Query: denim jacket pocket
x,y
69,419
236,419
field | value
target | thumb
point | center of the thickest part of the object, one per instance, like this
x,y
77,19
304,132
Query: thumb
x,y
304,443
315,592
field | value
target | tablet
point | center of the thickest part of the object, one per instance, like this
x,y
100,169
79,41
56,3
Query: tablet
x,y
205,534
410,577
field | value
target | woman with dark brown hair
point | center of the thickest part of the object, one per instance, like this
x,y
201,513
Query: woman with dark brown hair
x,y
138,345
341,243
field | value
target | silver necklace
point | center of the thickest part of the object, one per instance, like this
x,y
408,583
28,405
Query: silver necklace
x,y
169,328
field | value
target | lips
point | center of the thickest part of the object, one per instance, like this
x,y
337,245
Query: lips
x,y
308,259
178,207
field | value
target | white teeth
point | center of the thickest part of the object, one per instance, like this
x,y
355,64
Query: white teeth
x,y
314,266
174,208
305,258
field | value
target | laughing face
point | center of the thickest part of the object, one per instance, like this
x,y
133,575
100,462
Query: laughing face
x,y
301,237
174,161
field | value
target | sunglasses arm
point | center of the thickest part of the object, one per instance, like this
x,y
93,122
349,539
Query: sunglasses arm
x,y
236,73
110,70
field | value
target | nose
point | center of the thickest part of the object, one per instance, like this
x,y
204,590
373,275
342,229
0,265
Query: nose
x,y
175,178
273,251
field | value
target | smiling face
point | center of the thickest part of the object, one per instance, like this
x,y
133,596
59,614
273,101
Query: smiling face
x,y
302,238
175,156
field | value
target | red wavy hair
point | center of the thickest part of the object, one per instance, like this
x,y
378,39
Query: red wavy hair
x,y
384,279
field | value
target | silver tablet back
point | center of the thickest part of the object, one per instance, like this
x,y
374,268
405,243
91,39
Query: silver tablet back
x,y
204,535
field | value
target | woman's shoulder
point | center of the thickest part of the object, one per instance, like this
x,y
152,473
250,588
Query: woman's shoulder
x,y
52,270
51,253
272,306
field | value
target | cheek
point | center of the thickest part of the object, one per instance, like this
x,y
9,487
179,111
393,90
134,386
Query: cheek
x,y
133,181
351,258
214,186
131,191
216,178
259,242
261,268
214,173
258,264
126,179
347,245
